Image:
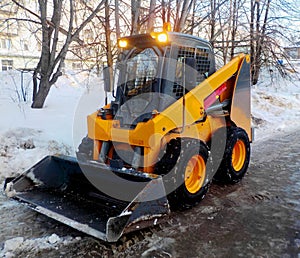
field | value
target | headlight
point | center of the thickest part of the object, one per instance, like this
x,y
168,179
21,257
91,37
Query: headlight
x,y
162,37
123,43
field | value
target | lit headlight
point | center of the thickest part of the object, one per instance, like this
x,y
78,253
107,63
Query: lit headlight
x,y
162,37
123,43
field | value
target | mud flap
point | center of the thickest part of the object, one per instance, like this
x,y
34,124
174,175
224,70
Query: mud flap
x,y
57,188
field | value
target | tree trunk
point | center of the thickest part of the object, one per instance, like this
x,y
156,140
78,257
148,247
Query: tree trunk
x,y
35,82
212,22
260,35
169,11
193,18
135,14
163,11
117,17
151,19
234,27
252,10
177,15
182,14
52,58
107,37
42,93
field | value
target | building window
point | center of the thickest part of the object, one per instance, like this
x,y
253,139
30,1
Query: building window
x,y
7,65
24,45
5,44
76,66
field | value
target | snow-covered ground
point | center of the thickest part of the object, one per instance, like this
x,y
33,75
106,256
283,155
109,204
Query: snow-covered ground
x,y
276,103
27,135
16,246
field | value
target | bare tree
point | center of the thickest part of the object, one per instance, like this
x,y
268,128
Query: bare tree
x,y
212,24
117,17
258,36
225,23
135,15
109,55
182,14
271,22
52,57
234,26
151,18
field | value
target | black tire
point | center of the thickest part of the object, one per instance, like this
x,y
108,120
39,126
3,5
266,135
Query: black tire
x,y
236,157
190,190
168,157
85,149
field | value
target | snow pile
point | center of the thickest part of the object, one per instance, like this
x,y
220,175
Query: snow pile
x,y
162,245
27,135
276,103
18,245
20,148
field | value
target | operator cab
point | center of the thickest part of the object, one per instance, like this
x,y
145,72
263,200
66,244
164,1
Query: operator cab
x,y
154,70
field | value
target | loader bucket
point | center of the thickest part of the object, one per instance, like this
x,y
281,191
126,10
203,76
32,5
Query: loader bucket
x,y
57,188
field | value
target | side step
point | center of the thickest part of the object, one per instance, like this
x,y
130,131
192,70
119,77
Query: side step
x,y
57,188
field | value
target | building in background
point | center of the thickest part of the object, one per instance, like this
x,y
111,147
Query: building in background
x,y
293,52
20,41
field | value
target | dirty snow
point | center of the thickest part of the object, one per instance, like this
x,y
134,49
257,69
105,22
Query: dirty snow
x,y
27,135
276,103
16,246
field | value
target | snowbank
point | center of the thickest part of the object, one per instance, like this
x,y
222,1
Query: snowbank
x,y
27,135
276,103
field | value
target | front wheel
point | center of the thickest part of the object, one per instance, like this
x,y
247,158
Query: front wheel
x,y
190,175
236,158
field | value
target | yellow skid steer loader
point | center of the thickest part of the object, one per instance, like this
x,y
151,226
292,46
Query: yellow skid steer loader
x,y
175,124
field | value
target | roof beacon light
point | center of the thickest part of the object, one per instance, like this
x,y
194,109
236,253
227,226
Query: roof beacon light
x,y
167,26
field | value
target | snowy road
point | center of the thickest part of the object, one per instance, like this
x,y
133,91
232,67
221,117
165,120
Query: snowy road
x,y
258,217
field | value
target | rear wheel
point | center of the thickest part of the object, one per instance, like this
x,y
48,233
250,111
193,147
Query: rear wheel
x,y
236,158
190,175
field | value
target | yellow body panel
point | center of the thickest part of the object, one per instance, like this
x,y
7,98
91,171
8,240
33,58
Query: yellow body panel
x,y
177,120
241,99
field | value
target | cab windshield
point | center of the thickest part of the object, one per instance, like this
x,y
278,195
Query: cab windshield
x,y
141,70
